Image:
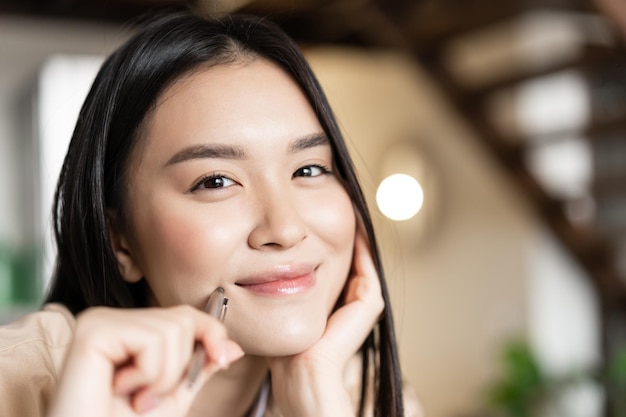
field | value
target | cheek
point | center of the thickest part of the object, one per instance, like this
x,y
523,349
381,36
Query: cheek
x,y
334,223
184,248
333,219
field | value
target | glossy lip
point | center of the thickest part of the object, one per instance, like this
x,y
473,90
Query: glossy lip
x,y
281,280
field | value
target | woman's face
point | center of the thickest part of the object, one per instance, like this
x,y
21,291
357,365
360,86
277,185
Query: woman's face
x,y
232,186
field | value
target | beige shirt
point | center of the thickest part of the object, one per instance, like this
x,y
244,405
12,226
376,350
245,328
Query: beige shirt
x,y
31,357
32,351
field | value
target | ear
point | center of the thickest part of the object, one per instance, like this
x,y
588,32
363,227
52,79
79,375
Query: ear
x,y
126,262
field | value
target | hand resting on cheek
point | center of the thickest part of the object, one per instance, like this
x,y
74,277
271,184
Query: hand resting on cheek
x,y
311,383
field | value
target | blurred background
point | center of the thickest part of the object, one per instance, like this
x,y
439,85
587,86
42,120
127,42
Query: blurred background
x,y
505,237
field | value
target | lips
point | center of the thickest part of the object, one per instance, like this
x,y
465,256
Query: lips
x,y
281,280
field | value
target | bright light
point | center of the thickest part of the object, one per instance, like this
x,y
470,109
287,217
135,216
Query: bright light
x,y
564,167
399,197
64,82
553,103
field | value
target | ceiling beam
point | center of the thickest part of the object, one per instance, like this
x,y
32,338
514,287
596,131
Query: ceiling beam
x,y
429,24
117,11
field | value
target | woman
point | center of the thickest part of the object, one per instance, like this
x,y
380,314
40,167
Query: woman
x,y
207,156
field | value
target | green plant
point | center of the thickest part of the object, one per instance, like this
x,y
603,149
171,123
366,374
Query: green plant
x,y
615,381
523,387
526,390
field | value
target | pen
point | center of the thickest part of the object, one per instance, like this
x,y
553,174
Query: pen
x,y
216,307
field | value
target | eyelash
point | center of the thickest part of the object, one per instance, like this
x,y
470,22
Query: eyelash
x,y
324,170
209,177
196,186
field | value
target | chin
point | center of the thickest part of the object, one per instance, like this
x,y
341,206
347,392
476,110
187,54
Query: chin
x,y
282,339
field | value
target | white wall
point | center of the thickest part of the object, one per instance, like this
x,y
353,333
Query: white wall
x,y
24,46
63,84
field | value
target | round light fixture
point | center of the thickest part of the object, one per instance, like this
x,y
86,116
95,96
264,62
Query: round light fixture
x,y
400,197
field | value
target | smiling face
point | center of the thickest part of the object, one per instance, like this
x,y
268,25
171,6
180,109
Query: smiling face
x,y
232,186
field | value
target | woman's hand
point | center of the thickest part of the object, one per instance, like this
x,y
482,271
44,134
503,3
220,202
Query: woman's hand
x,y
311,383
126,363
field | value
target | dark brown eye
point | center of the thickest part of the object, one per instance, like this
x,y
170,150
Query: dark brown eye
x,y
212,182
311,171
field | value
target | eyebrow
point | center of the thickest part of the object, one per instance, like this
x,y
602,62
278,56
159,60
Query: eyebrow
x,y
207,151
310,141
237,152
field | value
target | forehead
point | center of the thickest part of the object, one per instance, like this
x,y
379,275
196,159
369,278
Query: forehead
x,y
252,104
245,100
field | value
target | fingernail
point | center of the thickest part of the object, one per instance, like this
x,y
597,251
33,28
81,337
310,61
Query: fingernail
x,y
235,351
229,353
219,356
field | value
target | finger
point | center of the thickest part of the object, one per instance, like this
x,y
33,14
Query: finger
x,y
349,325
127,380
218,349
222,353
364,283
179,331
161,349
182,393
156,352
145,356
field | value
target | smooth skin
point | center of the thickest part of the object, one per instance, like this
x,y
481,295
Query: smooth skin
x,y
232,183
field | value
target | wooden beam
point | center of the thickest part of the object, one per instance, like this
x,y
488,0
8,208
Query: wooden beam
x,y
591,62
593,250
430,24
117,11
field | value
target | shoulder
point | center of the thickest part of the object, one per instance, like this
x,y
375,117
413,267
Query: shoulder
x,y
49,329
32,351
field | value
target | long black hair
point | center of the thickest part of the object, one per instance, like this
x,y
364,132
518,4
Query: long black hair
x,y
93,177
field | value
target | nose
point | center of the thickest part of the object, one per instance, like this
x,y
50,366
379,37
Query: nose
x,y
279,225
